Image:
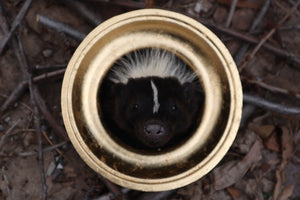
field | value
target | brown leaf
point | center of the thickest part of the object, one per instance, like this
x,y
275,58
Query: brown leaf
x,y
286,192
287,151
265,131
235,193
231,172
272,142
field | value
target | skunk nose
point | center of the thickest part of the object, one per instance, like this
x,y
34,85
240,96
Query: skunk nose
x,y
154,130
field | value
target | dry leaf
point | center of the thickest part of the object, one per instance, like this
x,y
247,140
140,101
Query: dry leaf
x,y
231,172
245,141
286,192
272,142
235,193
287,151
265,131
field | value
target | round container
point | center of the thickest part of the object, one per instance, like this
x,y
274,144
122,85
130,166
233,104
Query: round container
x,y
194,44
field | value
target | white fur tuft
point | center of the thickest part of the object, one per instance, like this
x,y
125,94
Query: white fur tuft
x,y
151,63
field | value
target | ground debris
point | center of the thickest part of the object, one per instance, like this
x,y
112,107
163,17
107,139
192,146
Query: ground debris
x,y
263,162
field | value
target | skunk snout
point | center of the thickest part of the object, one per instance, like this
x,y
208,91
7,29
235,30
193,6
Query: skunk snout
x,y
154,130
155,134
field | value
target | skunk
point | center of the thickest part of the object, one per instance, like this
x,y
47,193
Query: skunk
x,y
151,99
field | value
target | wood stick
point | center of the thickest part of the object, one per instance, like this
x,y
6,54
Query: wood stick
x,y
262,103
279,52
231,12
241,52
7,183
21,88
33,153
156,195
274,89
93,18
60,131
15,24
26,71
264,39
8,132
124,3
60,27
113,188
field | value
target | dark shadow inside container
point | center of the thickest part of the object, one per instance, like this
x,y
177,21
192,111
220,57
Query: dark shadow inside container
x,y
134,104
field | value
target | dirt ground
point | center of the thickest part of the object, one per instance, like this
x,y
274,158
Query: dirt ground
x,y
264,161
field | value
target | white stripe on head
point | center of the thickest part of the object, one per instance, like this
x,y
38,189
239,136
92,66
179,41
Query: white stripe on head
x,y
155,98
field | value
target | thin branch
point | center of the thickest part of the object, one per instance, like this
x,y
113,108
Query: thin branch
x,y
231,12
279,52
50,119
33,153
60,27
241,52
8,132
156,195
26,71
274,89
85,11
264,39
43,67
113,188
109,195
15,24
7,184
127,3
262,103
20,89
13,97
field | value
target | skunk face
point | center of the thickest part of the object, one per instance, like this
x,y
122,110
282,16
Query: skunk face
x,y
151,109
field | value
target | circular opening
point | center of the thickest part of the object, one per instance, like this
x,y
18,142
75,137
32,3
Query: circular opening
x,y
151,101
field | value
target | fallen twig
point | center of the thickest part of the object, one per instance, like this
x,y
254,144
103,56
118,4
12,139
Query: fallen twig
x,y
60,27
25,68
260,102
20,89
241,52
8,132
279,52
33,153
231,12
113,188
15,24
13,97
50,119
84,11
109,196
7,184
50,142
264,39
43,67
127,3
272,88
156,195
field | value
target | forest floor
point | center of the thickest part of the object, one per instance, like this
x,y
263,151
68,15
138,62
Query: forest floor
x,y
263,162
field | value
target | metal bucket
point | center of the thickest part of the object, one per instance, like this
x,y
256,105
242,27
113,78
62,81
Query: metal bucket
x,y
194,44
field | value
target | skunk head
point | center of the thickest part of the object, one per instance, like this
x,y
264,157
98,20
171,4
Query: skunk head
x,y
152,98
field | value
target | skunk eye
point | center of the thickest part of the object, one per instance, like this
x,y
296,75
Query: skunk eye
x,y
173,108
135,106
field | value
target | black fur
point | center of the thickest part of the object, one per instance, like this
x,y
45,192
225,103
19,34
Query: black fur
x,y
127,110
